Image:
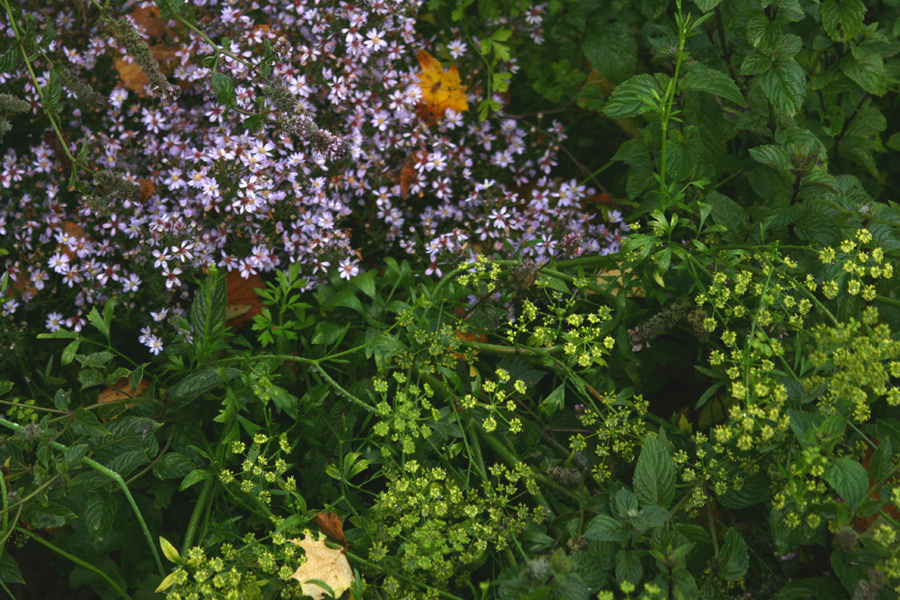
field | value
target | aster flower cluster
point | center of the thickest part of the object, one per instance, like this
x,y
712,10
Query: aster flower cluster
x,y
341,145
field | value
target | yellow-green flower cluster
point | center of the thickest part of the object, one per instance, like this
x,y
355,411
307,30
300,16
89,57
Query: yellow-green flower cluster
x,y
619,426
235,574
860,261
437,526
856,360
406,416
260,470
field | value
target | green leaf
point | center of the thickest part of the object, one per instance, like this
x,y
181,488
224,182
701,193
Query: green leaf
x,y
195,476
734,559
755,63
820,588
842,20
169,551
650,517
773,156
654,476
707,5
61,399
329,333
628,566
68,354
99,513
87,423
224,88
5,386
894,142
73,455
612,50
604,528
762,33
9,570
365,283
284,401
10,60
849,479
208,312
880,465
704,79
555,401
95,359
784,85
173,465
126,462
51,93
626,101
866,68
98,322
197,384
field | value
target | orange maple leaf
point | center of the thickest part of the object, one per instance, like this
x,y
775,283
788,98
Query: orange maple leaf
x,y
440,89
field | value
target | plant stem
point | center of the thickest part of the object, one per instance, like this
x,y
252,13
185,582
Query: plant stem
x,y
199,507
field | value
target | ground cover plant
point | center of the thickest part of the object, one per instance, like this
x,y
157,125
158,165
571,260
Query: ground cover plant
x,y
451,299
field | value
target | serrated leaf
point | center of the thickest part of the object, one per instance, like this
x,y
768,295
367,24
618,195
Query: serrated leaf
x,y
61,399
51,92
880,465
612,50
9,570
707,5
755,63
208,311
87,423
604,528
224,88
842,20
734,559
10,60
784,85
99,513
866,68
654,476
173,465
628,566
195,385
849,479
126,462
820,588
704,79
773,156
73,455
650,517
626,101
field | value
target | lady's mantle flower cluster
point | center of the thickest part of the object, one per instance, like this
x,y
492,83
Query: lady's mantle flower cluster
x,y
206,188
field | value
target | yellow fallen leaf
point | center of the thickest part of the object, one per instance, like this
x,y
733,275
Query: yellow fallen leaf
x,y
440,89
326,564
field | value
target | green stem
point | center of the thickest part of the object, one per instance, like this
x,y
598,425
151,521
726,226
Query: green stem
x,y
112,475
667,113
199,507
75,560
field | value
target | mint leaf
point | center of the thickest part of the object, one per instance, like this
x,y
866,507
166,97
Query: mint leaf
x,y
784,85
654,476
849,479
626,101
